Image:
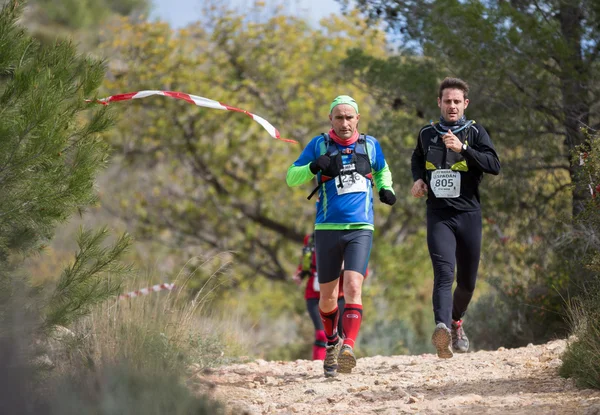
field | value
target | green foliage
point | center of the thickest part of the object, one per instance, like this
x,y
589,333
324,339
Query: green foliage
x,y
211,179
80,19
49,158
72,13
402,287
51,153
531,68
580,361
514,313
531,71
399,81
93,277
14,40
212,182
588,222
86,14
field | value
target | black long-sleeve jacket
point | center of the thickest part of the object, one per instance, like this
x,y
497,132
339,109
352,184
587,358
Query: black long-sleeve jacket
x,y
479,157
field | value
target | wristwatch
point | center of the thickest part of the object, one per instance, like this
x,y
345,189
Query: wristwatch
x,y
464,147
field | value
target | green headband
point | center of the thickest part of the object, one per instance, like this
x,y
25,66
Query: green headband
x,y
343,99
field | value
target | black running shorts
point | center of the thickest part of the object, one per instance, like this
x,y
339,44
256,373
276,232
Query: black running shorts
x,y
351,247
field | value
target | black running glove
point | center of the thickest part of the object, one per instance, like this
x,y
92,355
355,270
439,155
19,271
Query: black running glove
x,y
319,164
387,197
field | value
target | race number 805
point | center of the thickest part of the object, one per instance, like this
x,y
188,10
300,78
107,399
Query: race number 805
x,y
444,182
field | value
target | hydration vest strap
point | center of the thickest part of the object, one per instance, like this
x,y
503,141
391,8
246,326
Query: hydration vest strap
x,y
314,191
327,142
330,147
363,140
332,150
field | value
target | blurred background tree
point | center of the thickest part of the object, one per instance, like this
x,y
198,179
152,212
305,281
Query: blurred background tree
x,y
533,71
204,193
82,20
214,182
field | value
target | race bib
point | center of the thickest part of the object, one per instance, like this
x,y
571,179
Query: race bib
x,y
350,181
316,283
445,183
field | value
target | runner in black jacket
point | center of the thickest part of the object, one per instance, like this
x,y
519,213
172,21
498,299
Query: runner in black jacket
x,y
447,165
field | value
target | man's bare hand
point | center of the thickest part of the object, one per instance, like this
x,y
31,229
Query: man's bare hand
x,y
452,142
419,188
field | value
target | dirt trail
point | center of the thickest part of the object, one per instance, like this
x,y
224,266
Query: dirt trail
x,y
506,381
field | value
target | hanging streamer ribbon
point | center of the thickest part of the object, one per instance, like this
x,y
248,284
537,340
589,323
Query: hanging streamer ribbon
x,y
199,101
146,291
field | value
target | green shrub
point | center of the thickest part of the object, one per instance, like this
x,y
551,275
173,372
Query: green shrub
x,y
581,360
515,313
163,331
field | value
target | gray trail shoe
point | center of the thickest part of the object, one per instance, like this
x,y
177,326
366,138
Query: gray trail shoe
x,y
460,341
346,359
330,364
442,339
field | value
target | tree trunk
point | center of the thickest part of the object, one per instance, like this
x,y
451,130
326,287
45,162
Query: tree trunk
x,y
576,107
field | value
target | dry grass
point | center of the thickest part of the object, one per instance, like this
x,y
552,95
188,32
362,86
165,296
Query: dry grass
x,y
166,330
581,360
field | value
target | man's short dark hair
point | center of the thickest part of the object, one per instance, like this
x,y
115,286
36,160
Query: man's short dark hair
x,y
454,83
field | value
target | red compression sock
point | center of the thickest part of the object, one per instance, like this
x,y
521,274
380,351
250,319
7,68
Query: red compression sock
x,y
330,323
319,346
351,320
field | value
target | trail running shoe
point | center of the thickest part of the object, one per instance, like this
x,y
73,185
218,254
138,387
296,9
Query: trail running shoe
x,y
442,339
330,364
460,341
346,359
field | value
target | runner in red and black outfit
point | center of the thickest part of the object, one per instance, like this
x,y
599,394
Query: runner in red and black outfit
x,y
307,268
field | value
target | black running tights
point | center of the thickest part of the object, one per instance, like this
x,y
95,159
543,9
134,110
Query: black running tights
x,y
453,238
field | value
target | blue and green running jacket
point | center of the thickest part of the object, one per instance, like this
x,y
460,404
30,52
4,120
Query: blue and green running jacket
x,y
346,201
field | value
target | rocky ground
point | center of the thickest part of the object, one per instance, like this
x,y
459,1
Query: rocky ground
x,y
506,381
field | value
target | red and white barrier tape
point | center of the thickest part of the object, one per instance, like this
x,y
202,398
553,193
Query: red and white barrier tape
x,y
146,291
199,101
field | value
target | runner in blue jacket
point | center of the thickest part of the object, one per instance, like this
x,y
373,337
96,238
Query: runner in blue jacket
x,y
347,165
